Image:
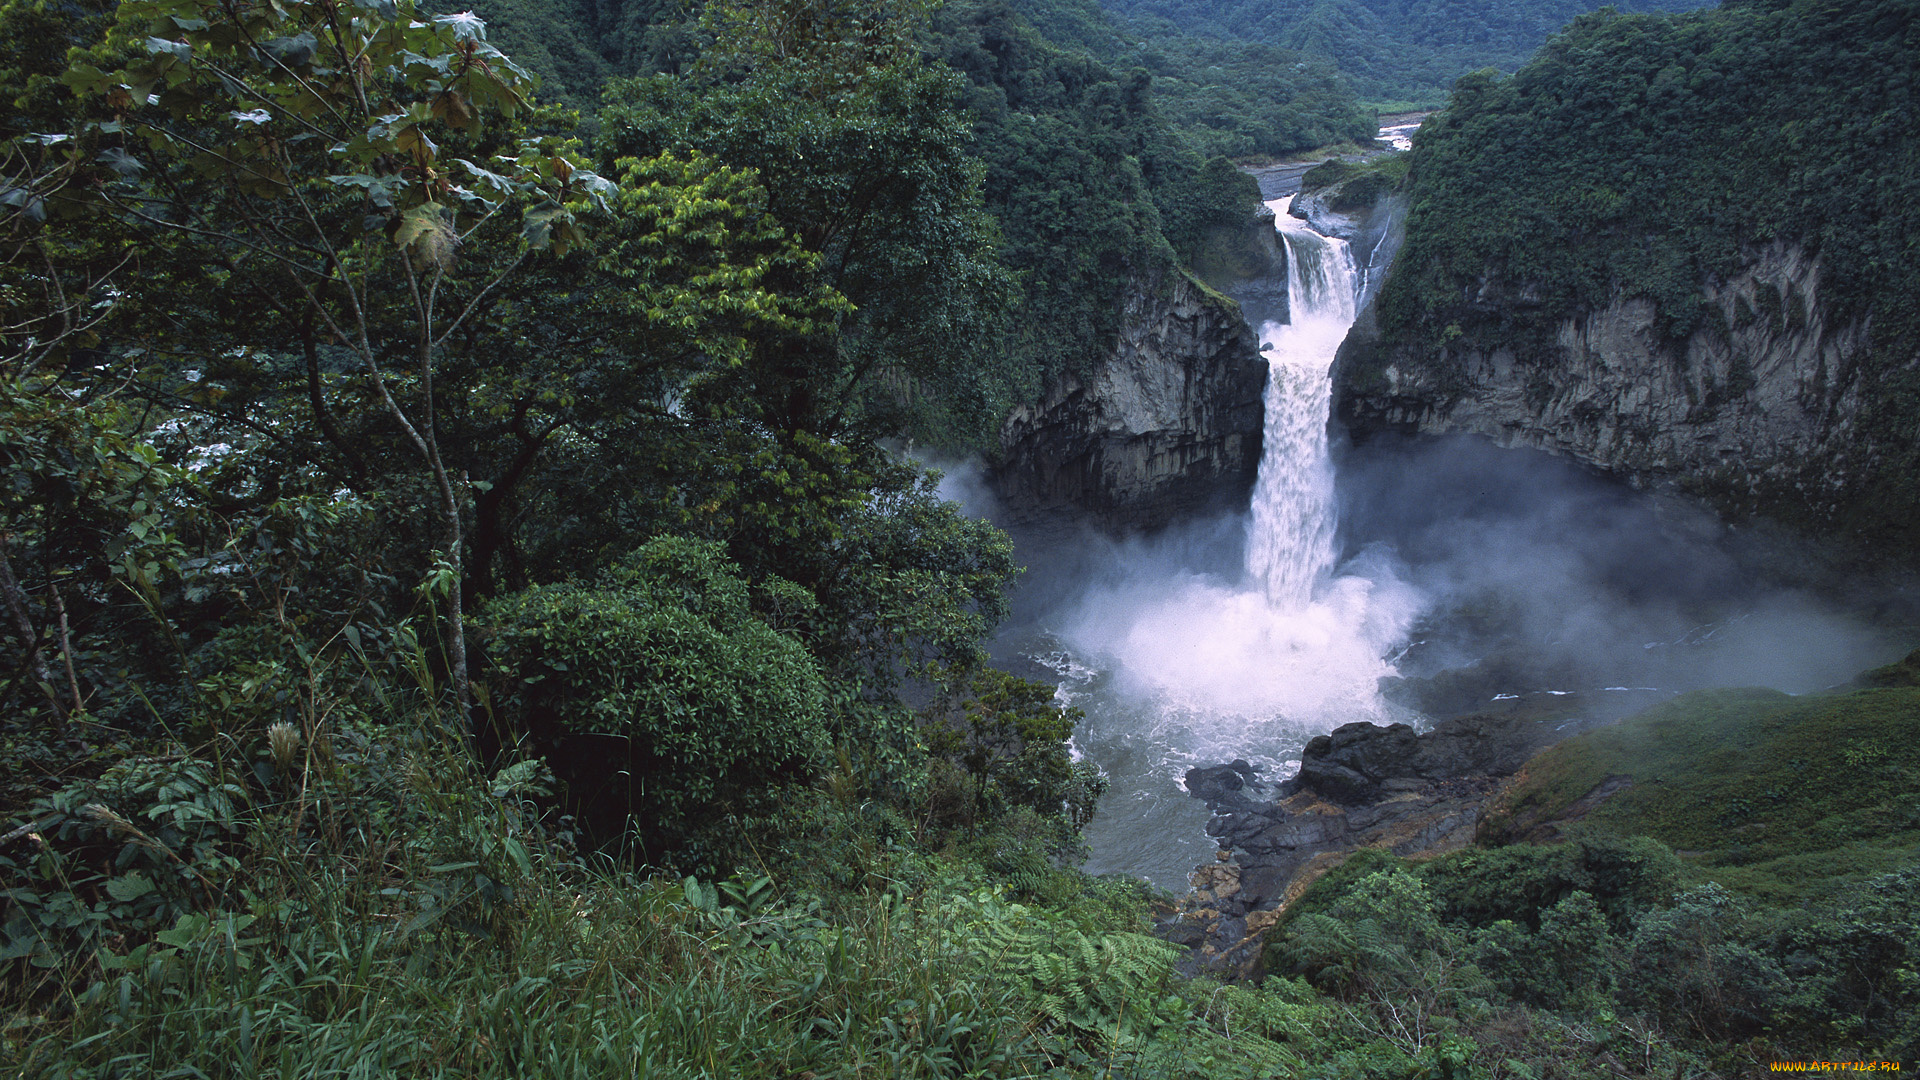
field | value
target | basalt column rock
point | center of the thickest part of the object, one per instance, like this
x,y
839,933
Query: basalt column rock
x,y
1167,426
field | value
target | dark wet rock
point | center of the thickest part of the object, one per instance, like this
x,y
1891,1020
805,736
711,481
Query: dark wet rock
x,y
1363,764
1360,786
1349,764
1167,427
1248,263
1224,783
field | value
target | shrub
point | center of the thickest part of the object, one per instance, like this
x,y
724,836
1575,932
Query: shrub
x,y
659,696
1002,746
1621,876
1569,963
1689,962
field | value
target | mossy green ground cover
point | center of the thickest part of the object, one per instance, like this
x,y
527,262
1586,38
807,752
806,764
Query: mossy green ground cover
x,y
1737,869
1779,796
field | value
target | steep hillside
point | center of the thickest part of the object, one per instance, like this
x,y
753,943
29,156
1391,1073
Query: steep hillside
x,y
1405,51
1103,159
1678,248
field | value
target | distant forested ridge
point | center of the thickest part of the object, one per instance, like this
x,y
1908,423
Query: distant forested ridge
x,y
1659,159
1393,51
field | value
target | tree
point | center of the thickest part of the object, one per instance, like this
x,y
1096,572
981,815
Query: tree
x,y
359,243
866,163
658,696
296,150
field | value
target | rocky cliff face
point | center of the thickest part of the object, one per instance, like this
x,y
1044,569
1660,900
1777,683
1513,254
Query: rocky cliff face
x,y
1756,409
1167,426
1373,225
1249,264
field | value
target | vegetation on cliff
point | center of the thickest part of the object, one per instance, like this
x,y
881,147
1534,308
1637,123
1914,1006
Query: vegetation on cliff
x,y
1104,155
465,621
1643,156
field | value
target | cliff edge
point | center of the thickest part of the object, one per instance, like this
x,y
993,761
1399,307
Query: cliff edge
x,y
1168,425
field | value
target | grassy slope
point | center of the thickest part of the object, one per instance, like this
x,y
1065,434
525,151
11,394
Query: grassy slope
x,y
1778,796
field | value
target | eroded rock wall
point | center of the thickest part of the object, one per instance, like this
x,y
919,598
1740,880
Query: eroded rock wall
x,y
1167,426
1760,401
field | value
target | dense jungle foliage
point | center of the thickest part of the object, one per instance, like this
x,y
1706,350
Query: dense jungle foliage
x,y
464,622
1100,150
1397,54
1650,157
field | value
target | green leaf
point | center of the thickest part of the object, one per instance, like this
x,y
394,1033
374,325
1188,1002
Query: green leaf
x,y
538,223
129,887
423,227
186,930
518,853
465,25
171,48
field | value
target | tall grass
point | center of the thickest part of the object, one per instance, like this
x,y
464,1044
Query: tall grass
x,y
592,974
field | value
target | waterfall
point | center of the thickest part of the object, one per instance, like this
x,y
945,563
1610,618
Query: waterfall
x,y
1290,538
1189,651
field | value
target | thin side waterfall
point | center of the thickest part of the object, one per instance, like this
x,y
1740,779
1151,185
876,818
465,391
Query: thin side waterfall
x,y
1290,538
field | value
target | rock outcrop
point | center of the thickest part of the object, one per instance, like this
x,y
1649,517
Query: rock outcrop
x,y
1754,410
1362,786
1249,264
1373,222
1167,426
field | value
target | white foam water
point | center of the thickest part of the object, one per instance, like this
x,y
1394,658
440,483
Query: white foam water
x,y
1195,669
1247,668
1290,538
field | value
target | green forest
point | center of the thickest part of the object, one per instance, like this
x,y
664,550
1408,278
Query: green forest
x,y
1396,54
1639,156
464,617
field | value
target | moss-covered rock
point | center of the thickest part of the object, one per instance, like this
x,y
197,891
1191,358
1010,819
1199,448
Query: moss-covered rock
x,y
1356,185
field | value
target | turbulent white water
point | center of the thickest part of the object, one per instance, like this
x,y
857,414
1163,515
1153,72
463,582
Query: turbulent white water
x,y
1178,667
1290,540
1292,641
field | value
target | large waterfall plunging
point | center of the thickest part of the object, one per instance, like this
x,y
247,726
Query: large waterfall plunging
x,y
1177,667
1244,636
1297,644
1290,540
